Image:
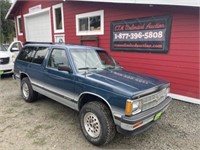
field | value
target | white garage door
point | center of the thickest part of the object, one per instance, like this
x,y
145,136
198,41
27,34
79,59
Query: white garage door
x,y
38,27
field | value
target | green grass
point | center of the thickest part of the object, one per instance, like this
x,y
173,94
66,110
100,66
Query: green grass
x,y
55,116
9,111
34,132
40,141
16,105
28,111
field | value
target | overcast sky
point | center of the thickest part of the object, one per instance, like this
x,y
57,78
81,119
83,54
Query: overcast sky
x,y
13,1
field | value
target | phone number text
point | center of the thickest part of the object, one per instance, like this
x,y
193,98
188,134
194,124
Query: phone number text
x,y
143,36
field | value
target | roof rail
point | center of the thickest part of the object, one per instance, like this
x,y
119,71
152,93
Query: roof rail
x,y
30,42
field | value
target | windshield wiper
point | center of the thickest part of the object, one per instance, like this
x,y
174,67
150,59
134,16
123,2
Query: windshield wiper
x,y
109,67
86,68
112,67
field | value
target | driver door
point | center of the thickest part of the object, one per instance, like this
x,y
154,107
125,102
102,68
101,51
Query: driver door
x,y
60,84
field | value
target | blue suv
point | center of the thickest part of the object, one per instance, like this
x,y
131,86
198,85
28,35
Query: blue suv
x,y
89,80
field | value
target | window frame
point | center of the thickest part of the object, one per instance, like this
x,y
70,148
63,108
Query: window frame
x,y
54,7
38,48
88,15
18,27
50,54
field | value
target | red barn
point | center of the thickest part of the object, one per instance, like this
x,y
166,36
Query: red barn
x,y
152,37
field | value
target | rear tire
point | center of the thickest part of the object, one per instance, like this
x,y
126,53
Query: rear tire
x,y
27,91
97,123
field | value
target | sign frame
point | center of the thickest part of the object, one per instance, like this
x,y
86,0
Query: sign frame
x,y
122,34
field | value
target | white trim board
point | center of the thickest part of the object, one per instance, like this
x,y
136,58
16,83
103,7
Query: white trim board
x,y
28,15
185,98
191,3
54,7
18,28
38,12
12,6
87,15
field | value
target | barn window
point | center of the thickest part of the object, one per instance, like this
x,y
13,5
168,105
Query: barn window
x,y
91,23
58,18
19,25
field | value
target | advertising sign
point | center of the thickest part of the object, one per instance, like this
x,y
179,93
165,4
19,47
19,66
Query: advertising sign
x,y
150,34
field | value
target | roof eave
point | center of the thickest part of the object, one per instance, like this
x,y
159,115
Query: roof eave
x,y
187,3
8,15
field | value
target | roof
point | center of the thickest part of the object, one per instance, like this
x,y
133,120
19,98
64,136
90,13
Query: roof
x,y
187,3
49,44
190,3
13,9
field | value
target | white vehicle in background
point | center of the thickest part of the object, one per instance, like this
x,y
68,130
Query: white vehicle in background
x,y
8,54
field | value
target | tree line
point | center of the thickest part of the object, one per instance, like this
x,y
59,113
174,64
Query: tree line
x,y
7,27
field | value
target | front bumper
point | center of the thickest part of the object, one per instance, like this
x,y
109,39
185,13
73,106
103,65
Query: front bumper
x,y
16,76
142,121
8,68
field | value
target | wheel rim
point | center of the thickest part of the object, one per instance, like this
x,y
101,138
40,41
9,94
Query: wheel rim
x,y
25,90
92,124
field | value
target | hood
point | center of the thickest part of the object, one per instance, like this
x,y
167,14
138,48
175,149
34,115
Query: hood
x,y
124,82
4,54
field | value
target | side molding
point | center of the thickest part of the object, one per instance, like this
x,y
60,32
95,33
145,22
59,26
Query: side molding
x,y
98,97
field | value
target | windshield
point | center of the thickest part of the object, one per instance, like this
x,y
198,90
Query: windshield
x,y
86,59
90,60
2,48
106,59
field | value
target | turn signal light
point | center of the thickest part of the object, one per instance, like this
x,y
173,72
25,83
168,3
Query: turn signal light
x,y
128,110
137,124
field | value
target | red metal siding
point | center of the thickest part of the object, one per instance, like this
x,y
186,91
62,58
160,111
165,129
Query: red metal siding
x,y
24,9
180,65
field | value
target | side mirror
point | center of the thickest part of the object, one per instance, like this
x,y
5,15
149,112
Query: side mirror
x,y
64,68
14,49
116,62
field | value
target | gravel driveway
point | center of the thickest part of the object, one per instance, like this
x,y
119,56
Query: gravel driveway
x,y
48,125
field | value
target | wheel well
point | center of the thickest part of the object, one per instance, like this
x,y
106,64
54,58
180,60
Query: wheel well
x,y
86,98
22,75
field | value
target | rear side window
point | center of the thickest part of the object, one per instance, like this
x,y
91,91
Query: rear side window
x,y
40,55
27,53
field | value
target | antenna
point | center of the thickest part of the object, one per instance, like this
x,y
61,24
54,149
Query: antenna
x,y
86,60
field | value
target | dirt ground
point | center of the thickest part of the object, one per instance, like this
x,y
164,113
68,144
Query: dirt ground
x,y
48,125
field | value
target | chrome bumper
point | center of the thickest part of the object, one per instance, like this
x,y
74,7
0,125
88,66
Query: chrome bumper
x,y
143,119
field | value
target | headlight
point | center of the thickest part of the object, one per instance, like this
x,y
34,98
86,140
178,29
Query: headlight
x,y
132,107
167,91
13,58
164,93
136,108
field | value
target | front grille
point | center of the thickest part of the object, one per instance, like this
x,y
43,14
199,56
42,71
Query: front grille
x,y
4,61
5,71
154,99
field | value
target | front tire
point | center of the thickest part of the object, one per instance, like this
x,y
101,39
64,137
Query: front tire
x,y
97,123
27,91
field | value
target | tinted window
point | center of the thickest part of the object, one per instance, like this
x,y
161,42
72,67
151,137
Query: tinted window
x,y
27,53
40,55
105,58
16,46
58,57
20,25
58,15
2,48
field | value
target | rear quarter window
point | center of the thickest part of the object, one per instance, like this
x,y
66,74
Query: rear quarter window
x,y
40,55
27,54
